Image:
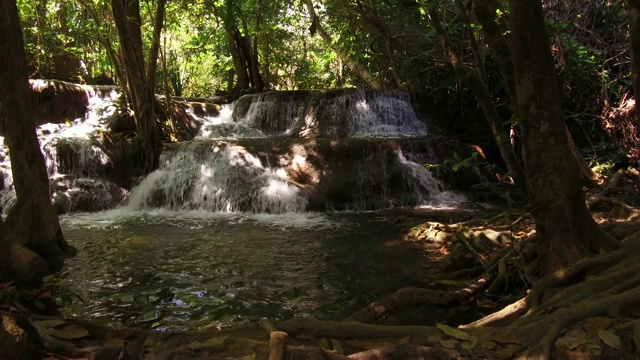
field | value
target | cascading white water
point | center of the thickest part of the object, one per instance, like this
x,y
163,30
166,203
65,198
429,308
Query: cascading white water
x,y
350,156
70,154
362,113
217,176
225,176
275,113
338,113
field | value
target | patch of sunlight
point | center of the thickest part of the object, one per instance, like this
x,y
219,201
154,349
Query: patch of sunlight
x,y
363,106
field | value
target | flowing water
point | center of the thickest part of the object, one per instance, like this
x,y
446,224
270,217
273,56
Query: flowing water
x,y
187,270
226,230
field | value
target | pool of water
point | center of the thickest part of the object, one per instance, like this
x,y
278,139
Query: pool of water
x,y
188,270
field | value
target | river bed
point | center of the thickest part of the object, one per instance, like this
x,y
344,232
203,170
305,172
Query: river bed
x,y
168,270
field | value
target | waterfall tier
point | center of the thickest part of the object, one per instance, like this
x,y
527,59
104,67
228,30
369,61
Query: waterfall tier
x,y
275,152
290,175
316,113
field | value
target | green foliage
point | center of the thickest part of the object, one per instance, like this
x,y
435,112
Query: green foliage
x,y
391,38
456,163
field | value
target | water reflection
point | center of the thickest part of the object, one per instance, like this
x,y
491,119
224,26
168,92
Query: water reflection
x,y
184,271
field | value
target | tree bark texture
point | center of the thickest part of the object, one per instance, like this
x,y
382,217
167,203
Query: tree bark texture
x,y
634,28
33,217
481,92
357,68
126,14
565,229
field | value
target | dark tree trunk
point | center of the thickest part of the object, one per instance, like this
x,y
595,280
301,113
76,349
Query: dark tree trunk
x,y
33,217
486,12
565,229
126,14
494,29
480,91
634,29
243,81
251,55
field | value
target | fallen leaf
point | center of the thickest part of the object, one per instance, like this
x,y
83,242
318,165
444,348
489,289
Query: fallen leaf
x,y
323,344
612,340
487,344
594,349
69,332
46,324
595,324
458,334
469,344
337,347
449,344
571,339
404,340
433,338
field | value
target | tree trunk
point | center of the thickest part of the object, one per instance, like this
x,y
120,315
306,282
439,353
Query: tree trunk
x,y
634,28
155,45
565,230
486,12
251,55
481,92
357,68
126,14
33,217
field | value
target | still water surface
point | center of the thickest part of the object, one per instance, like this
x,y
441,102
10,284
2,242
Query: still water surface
x,y
188,270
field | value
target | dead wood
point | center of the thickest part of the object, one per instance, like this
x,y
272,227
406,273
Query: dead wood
x,y
463,237
277,344
505,313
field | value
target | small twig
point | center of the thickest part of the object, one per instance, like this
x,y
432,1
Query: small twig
x,y
463,237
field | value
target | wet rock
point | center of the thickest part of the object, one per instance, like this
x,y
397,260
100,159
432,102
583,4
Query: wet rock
x,y
58,101
85,194
122,122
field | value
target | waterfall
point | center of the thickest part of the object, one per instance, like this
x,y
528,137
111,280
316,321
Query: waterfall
x,y
217,176
367,113
74,162
294,151
275,152
316,113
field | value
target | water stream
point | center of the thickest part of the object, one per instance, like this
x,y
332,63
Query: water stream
x,y
265,215
187,270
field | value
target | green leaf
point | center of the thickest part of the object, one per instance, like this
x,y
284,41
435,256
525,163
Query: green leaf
x,y
337,347
69,332
612,340
455,333
449,344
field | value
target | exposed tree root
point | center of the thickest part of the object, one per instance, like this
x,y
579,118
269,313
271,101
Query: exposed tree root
x,y
404,352
406,297
636,338
606,286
